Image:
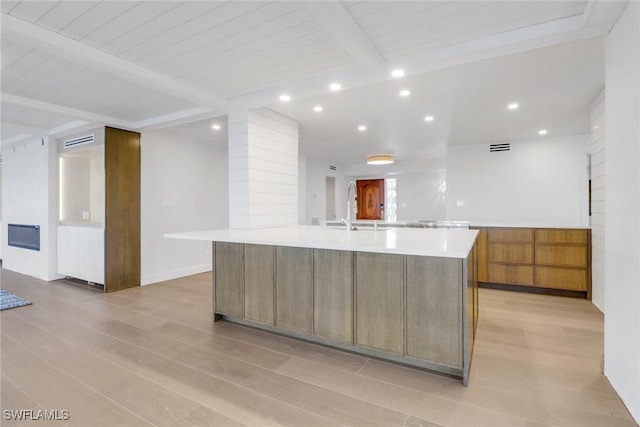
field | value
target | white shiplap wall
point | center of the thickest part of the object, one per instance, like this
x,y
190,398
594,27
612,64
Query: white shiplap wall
x,y
263,169
598,175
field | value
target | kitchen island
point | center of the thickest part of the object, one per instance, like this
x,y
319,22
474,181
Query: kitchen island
x,y
403,295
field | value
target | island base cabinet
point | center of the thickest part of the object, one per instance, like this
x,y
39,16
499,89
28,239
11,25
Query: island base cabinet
x,y
434,293
294,288
379,301
229,278
333,295
259,282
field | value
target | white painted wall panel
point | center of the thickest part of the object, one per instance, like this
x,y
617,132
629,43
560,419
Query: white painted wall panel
x,y
622,204
598,206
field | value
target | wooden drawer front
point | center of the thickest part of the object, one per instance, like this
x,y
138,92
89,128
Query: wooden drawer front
x,y
561,278
510,235
515,253
511,274
566,256
568,236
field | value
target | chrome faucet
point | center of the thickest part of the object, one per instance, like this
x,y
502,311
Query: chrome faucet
x,y
351,184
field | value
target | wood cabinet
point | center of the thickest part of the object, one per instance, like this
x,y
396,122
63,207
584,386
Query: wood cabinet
x,y
430,294
228,276
379,301
333,297
294,288
259,270
550,258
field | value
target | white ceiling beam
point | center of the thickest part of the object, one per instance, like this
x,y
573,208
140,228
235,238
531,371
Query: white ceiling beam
x,y
598,12
66,111
64,47
337,23
178,118
18,128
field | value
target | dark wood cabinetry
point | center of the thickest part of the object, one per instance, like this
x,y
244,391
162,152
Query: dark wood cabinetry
x,y
545,258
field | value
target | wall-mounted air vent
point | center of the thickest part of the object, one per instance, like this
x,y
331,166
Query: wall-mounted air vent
x,y
499,147
0,159
332,167
88,139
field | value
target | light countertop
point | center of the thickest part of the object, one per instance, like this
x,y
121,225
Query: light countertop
x,y
448,243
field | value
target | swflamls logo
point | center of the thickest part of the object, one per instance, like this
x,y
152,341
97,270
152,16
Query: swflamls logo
x,y
36,415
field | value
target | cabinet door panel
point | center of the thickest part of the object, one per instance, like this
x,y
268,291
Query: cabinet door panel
x,y
567,256
561,278
379,301
517,253
259,282
229,279
434,292
482,255
511,274
567,236
294,288
510,235
333,294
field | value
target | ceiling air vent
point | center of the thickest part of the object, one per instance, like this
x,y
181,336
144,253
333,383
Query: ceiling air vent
x,y
332,167
499,147
88,139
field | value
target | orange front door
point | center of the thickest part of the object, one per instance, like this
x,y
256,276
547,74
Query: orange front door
x,y
370,198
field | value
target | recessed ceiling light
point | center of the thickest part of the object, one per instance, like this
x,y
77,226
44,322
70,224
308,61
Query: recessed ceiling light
x,y
216,126
285,98
335,86
428,118
397,73
542,132
317,108
513,106
362,128
405,92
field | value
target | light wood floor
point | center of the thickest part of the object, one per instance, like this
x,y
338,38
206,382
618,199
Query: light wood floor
x,y
151,356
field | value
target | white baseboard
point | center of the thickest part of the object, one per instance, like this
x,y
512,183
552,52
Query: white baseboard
x,y
174,274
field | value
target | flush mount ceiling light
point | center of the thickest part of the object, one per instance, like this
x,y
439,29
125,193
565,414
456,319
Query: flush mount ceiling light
x,y
335,86
428,118
405,92
397,73
513,106
380,159
542,132
216,126
317,108
362,128
285,98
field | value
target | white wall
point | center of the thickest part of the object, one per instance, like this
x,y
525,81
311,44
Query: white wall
x,y
317,172
598,175
538,182
263,169
622,205
184,187
30,197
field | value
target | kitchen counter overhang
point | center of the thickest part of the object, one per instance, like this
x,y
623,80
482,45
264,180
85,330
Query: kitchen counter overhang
x,y
403,295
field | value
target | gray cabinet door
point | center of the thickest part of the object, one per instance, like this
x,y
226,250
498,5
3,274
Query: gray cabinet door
x,y
294,288
229,279
379,301
333,294
259,282
434,309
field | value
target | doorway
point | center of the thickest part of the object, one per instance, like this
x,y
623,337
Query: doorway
x,y
370,198
330,198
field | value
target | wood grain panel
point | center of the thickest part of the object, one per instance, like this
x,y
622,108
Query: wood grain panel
x,y
483,275
561,278
566,256
516,253
259,282
294,288
229,279
563,236
524,235
122,209
333,294
434,309
379,301
511,274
